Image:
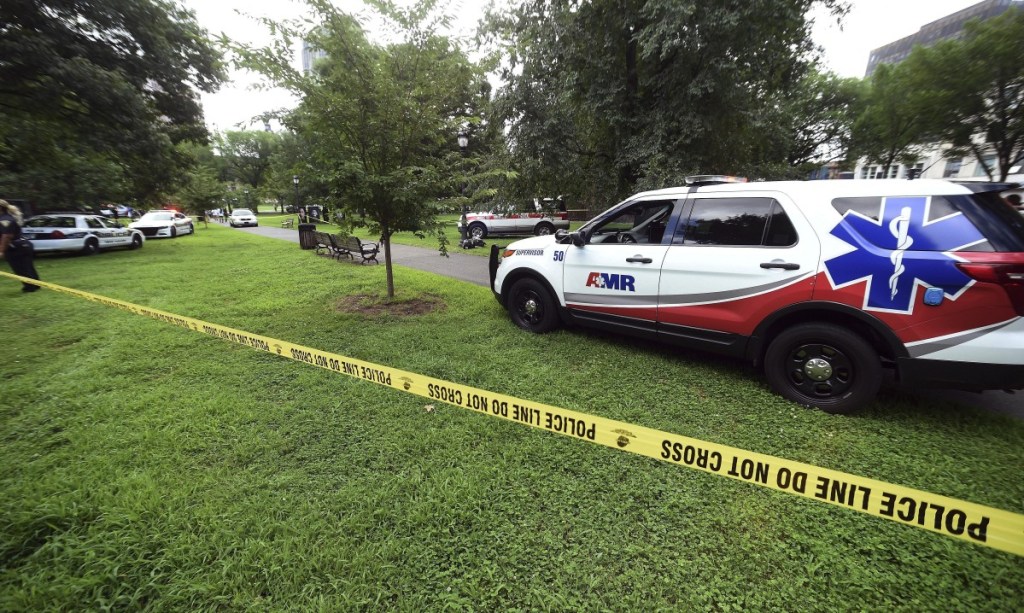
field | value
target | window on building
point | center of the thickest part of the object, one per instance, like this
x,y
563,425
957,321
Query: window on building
x,y
990,162
952,168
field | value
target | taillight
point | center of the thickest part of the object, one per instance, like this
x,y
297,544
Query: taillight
x,y
1007,271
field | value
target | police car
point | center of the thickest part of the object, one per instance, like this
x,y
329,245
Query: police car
x,y
76,232
164,223
822,283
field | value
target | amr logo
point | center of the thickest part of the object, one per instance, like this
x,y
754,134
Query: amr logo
x,y
604,280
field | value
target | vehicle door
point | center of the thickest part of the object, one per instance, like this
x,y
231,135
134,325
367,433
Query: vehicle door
x,y
735,259
117,235
99,229
614,277
180,222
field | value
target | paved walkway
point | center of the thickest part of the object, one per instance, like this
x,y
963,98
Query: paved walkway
x,y
471,268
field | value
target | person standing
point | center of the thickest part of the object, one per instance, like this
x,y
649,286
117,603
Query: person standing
x,y
16,250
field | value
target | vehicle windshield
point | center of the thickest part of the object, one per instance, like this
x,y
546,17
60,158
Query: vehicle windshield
x,y
50,221
157,217
240,212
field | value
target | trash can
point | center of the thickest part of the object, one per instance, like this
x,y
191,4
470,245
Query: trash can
x,y
307,240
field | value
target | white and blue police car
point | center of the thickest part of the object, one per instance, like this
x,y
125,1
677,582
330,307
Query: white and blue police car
x,y
820,283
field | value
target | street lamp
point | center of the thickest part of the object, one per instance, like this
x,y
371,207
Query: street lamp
x,y
295,181
231,187
463,139
246,192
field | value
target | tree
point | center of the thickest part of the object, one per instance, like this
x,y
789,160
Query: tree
x,y
975,90
606,96
381,120
109,82
248,155
891,125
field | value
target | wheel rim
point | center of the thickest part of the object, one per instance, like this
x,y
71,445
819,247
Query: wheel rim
x,y
543,230
819,371
476,232
530,307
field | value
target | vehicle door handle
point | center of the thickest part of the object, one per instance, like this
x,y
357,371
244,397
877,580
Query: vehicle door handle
x,y
782,265
640,259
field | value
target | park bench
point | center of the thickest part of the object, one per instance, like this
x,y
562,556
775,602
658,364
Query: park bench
x,y
367,251
323,243
336,244
288,223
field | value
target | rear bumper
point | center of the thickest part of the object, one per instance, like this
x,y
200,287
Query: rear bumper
x,y
971,376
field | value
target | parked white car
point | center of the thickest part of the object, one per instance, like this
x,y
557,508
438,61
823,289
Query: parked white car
x,y
242,217
538,222
163,223
77,232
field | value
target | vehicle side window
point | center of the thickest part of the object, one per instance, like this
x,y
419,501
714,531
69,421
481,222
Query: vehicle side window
x,y
92,222
780,231
736,222
937,220
642,222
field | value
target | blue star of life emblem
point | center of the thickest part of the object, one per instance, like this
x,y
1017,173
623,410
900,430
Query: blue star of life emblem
x,y
900,252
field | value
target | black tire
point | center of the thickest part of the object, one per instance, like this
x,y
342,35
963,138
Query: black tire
x,y
532,307
136,242
91,247
174,231
823,366
477,230
191,229
543,229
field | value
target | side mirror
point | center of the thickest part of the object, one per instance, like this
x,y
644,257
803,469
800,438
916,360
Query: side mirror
x,y
561,237
579,238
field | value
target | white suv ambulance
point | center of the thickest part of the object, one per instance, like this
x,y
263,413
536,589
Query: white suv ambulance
x,y
820,283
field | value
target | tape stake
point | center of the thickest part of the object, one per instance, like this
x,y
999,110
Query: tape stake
x,y
960,519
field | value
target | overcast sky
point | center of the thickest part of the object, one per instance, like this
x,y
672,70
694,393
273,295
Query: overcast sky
x,y
870,24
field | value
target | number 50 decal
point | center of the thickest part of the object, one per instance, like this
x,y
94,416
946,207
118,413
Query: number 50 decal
x,y
559,256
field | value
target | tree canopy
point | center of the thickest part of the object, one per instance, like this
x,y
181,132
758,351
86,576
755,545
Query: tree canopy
x,y
606,96
95,93
975,91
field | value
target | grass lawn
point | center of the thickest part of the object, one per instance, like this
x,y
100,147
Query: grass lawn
x,y
145,466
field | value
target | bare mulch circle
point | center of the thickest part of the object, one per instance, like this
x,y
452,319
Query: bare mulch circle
x,y
370,305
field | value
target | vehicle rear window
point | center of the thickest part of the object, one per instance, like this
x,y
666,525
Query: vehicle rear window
x,y
1001,227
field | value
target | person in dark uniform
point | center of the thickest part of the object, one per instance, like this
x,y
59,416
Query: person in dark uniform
x,y
16,250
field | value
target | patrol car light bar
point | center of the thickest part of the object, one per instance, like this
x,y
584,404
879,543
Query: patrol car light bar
x,y
713,179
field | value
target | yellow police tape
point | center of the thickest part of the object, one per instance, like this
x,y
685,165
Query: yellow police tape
x,y
960,519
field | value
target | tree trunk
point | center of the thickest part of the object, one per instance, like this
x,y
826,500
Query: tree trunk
x,y
386,239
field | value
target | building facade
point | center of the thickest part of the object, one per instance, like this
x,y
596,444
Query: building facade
x,y
949,27
934,162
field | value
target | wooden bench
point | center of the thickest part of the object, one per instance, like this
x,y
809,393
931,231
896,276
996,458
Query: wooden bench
x,y
367,251
288,223
336,245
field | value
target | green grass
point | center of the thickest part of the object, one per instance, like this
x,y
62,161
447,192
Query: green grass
x,y
149,467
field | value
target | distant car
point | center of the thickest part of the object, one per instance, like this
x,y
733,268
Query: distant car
x,y
119,210
163,223
87,234
242,217
538,222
